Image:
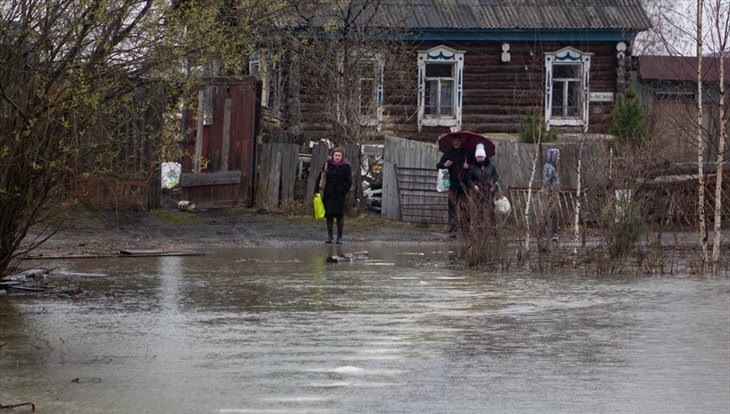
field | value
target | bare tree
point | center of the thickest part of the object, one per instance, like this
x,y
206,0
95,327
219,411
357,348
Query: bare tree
x,y
720,17
672,26
701,142
341,51
579,196
75,76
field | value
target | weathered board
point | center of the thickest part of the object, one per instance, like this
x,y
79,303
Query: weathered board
x,y
411,156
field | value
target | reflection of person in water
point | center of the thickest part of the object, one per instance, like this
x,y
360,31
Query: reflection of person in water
x,y
456,160
334,183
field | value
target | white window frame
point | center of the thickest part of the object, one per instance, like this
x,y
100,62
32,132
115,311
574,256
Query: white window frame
x,y
565,56
361,55
374,119
441,54
267,71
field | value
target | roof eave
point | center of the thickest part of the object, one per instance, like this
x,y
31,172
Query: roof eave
x,y
531,35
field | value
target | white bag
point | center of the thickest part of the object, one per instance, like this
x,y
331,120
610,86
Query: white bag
x,y
502,205
443,182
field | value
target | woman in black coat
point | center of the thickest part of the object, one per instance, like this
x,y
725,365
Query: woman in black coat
x,y
483,184
334,183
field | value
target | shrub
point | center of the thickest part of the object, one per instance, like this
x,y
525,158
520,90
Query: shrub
x,y
532,127
624,234
627,122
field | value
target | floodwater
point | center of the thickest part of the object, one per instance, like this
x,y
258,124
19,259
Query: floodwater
x,y
282,331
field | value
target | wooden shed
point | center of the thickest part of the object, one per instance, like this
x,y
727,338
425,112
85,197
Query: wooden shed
x,y
219,169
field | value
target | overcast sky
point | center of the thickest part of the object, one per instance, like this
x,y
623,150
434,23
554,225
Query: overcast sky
x,y
674,31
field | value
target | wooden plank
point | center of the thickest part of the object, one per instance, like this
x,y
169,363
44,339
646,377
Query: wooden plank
x,y
226,143
264,171
319,156
290,157
199,126
214,178
272,196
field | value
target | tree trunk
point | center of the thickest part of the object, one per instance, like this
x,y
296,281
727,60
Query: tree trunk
x,y
529,195
721,144
576,219
701,143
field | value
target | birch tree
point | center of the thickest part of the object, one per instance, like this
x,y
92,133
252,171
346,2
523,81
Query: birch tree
x,y
720,18
576,217
701,143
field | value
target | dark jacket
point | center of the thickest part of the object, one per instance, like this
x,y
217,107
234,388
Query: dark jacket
x,y
457,173
485,176
339,181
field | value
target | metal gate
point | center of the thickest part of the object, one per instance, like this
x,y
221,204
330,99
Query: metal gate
x,y
419,200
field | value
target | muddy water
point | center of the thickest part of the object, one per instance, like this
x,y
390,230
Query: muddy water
x,y
281,331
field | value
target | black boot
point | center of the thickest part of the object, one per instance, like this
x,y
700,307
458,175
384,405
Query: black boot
x,y
329,230
340,226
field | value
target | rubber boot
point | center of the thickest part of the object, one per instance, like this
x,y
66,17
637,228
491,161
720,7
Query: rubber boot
x,y
329,231
340,226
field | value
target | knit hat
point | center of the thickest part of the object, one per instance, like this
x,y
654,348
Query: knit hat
x,y
480,151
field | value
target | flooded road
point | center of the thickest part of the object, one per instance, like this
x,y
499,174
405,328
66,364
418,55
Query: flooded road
x,y
281,331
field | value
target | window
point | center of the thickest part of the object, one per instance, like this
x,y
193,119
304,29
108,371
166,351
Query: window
x,y
369,72
567,88
267,71
566,91
440,87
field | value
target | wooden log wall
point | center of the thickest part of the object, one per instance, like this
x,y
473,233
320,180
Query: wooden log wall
x,y
497,95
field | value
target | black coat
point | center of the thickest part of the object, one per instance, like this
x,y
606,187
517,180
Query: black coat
x,y
339,181
457,173
484,175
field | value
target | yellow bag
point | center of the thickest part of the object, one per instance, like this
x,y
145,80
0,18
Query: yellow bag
x,y
318,206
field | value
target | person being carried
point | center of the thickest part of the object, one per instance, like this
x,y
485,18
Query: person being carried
x,y
456,160
334,183
483,184
551,193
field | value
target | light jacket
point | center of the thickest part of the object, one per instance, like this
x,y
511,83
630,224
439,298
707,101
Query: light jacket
x,y
550,177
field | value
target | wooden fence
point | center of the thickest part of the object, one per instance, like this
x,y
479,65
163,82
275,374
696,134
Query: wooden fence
x,y
411,156
219,168
567,202
514,162
277,173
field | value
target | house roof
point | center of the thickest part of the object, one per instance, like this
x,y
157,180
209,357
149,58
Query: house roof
x,y
680,68
626,15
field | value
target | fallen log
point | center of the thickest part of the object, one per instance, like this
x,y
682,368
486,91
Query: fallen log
x,y
11,406
26,274
349,257
29,288
155,252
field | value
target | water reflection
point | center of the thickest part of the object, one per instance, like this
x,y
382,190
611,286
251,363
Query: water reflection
x,y
282,330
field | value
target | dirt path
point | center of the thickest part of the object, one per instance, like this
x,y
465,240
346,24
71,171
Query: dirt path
x,y
104,232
